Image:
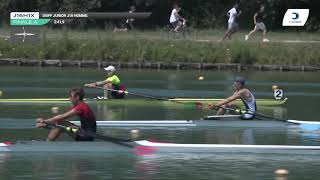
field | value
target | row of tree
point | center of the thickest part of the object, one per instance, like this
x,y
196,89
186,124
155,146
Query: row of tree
x,y
200,13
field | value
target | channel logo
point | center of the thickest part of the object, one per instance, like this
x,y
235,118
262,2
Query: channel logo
x,y
295,17
24,15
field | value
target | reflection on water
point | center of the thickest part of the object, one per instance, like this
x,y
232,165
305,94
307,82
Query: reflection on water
x,y
221,135
157,166
227,166
67,166
279,112
247,137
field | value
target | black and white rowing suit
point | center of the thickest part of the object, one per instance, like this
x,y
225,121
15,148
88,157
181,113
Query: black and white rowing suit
x,y
251,108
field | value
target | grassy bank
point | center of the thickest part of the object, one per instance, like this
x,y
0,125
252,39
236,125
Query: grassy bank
x,y
153,47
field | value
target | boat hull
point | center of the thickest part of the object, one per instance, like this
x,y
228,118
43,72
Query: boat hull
x,y
192,123
147,147
153,124
169,102
229,148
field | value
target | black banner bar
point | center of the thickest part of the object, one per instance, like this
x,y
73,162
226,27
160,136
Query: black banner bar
x,y
95,15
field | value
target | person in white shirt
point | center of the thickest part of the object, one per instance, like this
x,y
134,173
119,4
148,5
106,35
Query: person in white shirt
x,y
175,18
232,24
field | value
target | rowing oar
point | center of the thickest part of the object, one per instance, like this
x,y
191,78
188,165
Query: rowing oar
x,y
241,111
196,104
134,94
124,142
137,149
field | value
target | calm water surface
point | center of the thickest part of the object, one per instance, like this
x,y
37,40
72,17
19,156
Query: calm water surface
x,y
302,89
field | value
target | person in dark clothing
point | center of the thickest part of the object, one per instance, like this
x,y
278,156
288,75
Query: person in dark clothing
x,y
129,22
259,25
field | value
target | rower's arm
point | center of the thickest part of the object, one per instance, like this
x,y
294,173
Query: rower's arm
x,y
228,100
61,117
102,82
98,83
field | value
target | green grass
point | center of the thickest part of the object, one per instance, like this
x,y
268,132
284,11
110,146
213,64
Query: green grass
x,y
154,46
209,34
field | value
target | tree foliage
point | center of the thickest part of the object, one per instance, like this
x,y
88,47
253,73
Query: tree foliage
x,y
200,13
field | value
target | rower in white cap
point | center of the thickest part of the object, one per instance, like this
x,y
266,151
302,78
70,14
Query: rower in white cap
x,y
111,82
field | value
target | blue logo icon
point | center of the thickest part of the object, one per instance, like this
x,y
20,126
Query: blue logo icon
x,y
295,15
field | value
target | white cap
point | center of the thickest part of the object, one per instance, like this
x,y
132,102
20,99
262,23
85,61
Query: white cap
x,y
110,68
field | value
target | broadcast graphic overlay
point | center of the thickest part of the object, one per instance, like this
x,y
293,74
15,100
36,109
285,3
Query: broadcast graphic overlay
x,y
25,26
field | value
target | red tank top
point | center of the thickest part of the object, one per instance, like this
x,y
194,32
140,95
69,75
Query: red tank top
x,y
87,118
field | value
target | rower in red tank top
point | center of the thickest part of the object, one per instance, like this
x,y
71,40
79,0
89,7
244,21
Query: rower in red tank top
x,y
79,109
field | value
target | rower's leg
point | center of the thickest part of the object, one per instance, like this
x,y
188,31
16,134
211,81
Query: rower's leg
x,y
109,94
53,134
41,125
220,111
106,92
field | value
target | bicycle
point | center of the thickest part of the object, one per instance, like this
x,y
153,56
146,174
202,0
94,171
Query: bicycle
x,y
184,31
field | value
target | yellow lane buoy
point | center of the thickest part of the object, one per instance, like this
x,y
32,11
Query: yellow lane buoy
x,y
281,174
55,110
135,133
274,87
